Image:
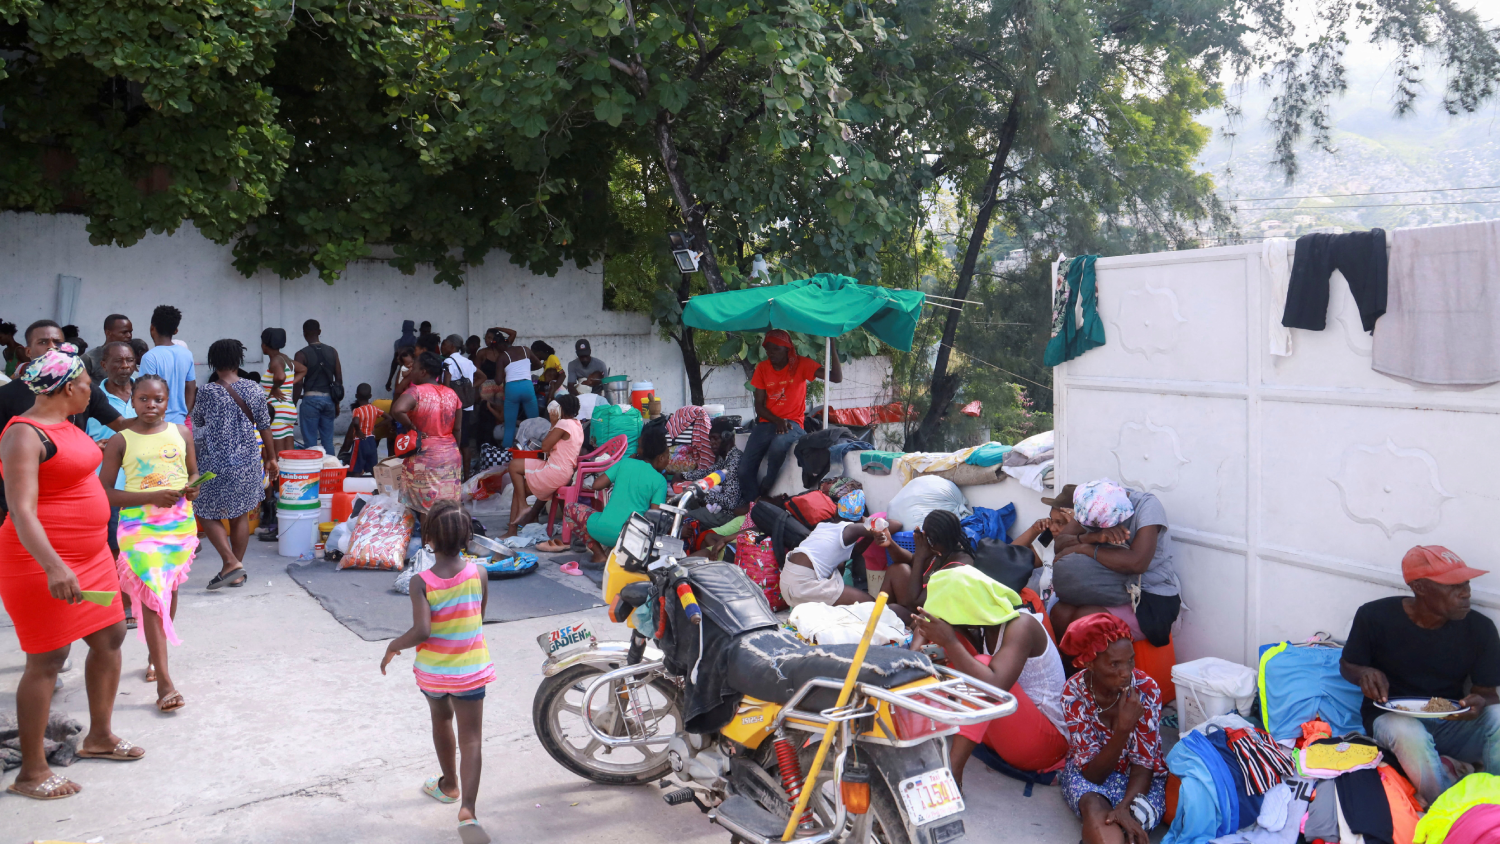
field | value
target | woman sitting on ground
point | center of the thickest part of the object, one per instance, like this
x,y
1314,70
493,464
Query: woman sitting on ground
x,y
435,472
1115,778
1117,545
543,478
814,570
986,632
940,542
636,485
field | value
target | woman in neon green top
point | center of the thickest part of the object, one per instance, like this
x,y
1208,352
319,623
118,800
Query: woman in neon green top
x,y
636,484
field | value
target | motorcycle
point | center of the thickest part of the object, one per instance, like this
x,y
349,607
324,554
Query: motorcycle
x,y
724,709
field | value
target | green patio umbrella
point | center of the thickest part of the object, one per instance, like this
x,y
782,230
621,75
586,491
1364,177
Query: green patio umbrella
x,y
826,305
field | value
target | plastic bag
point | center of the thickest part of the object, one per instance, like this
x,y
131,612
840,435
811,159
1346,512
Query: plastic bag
x,y
380,537
923,495
423,560
486,484
822,624
338,538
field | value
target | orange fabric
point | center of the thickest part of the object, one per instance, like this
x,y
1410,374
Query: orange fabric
x,y
1313,730
366,415
1157,663
1173,786
786,389
1405,812
1034,603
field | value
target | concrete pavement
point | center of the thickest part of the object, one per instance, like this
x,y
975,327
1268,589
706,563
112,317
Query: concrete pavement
x,y
291,734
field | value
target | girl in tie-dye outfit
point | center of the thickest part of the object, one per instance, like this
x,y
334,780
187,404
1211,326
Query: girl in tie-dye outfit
x,y
452,662
158,535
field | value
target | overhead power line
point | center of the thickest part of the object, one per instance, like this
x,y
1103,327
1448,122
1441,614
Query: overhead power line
x,y
1371,193
1495,201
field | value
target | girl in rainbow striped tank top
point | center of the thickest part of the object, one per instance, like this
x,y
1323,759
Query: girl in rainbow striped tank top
x,y
452,661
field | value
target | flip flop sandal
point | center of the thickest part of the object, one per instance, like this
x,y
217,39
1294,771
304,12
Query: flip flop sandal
x,y
47,790
121,753
431,789
129,622
470,832
221,580
167,704
570,568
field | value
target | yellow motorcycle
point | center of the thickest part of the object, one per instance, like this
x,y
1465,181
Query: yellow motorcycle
x,y
712,700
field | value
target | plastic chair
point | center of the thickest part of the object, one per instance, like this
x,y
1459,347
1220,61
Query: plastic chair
x,y
594,462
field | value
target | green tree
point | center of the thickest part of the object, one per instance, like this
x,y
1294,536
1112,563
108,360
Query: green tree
x,y
271,124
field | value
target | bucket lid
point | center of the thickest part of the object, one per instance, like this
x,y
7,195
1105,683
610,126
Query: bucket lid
x,y
302,454
296,514
615,379
642,385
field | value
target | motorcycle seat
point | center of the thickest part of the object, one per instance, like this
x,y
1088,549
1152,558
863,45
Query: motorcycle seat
x,y
772,664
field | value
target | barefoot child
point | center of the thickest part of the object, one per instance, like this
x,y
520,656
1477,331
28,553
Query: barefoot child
x,y
452,661
158,535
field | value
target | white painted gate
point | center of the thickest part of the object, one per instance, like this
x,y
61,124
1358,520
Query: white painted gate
x,y
1293,485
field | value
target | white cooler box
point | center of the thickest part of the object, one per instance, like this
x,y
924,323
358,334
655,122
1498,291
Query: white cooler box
x,y
1209,687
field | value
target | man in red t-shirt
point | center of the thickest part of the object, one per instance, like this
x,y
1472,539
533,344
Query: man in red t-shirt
x,y
780,383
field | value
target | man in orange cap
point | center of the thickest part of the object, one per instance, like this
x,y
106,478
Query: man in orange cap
x,y
780,383
1406,651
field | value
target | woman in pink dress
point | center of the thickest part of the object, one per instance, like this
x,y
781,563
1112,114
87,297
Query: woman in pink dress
x,y
435,472
543,478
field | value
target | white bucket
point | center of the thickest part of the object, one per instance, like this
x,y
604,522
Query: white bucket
x,y
358,485
325,507
298,531
713,410
1210,687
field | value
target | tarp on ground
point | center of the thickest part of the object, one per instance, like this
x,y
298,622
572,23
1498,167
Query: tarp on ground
x,y
826,305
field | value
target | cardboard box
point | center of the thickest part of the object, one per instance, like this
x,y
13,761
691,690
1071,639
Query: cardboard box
x,y
388,476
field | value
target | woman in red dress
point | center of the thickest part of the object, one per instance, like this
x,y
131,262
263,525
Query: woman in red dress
x,y
53,548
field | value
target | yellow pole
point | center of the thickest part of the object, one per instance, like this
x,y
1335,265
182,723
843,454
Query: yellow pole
x,y
844,694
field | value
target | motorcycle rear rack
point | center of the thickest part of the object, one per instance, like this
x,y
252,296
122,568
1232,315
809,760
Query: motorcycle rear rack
x,y
640,732
956,700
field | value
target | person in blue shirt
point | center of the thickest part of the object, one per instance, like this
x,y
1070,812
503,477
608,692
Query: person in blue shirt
x,y
173,362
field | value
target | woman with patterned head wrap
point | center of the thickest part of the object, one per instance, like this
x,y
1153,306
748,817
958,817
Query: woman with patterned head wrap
x,y
57,576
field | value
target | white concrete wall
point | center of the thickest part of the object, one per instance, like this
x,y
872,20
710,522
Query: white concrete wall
x,y
1293,485
361,314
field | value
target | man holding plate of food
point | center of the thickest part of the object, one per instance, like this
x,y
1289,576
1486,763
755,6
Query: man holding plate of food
x,y
1413,656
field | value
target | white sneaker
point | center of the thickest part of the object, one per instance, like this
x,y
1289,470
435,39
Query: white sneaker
x,y
67,664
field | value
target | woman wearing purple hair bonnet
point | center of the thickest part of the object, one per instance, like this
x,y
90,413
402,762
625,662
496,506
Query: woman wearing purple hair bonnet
x,y
1114,556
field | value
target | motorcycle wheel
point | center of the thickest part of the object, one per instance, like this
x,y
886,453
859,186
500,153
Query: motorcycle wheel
x,y
557,715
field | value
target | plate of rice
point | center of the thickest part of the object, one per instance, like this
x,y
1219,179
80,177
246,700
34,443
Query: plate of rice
x,y
1423,707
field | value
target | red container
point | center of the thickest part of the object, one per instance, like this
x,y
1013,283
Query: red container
x,y
343,502
332,480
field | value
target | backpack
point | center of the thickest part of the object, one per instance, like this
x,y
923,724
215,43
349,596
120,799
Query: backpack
x,y
812,508
462,385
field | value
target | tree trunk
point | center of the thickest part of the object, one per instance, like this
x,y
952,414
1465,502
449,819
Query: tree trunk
x,y
692,213
944,385
686,342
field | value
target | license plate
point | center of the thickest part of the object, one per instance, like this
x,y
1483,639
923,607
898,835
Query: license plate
x,y
567,639
931,796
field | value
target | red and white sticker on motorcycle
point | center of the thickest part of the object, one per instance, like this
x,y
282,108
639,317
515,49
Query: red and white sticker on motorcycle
x,y
575,636
931,796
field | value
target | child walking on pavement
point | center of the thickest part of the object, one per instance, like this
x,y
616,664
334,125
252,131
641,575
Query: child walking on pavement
x,y
158,535
452,660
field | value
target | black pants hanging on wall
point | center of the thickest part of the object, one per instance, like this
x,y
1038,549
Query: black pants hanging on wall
x,y
1360,256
